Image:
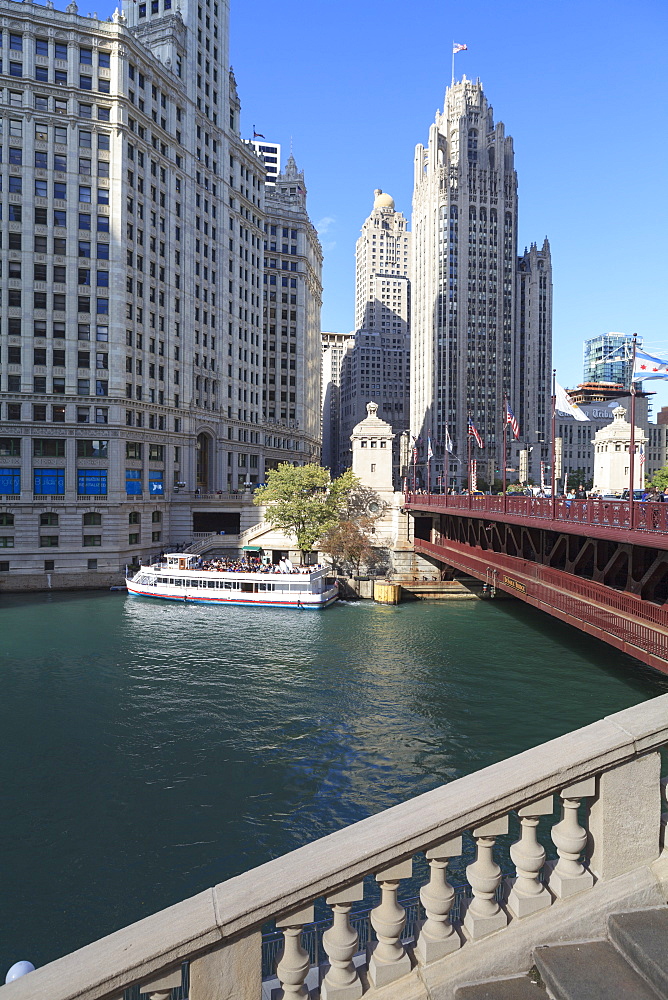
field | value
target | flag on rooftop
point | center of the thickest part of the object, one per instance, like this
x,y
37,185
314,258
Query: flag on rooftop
x,y
647,366
564,404
458,47
512,420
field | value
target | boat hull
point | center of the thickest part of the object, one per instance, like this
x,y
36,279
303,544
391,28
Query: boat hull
x,y
308,601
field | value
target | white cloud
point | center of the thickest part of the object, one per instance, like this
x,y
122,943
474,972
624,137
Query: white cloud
x,y
324,224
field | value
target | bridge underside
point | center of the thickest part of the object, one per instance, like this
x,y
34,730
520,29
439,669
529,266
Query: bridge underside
x,y
611,589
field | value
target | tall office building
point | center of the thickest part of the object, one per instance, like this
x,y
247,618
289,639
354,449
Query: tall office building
x,y
334,347
292,302
533,358
270,154
607,358
464,286
131,330
376,368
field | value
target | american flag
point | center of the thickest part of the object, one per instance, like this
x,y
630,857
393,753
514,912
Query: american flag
x,y
512,420
641,451
475,433
458,47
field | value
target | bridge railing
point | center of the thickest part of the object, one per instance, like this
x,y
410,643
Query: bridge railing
x,y
647,516
613,765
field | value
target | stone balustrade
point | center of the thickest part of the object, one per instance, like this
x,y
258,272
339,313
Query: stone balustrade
x,y
612,766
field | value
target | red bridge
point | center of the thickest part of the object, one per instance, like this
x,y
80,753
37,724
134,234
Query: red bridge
x,y
597,564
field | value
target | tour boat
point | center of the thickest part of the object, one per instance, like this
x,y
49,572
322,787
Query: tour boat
x,y
178,578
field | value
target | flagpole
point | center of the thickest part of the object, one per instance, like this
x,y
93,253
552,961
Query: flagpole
x,y
632,443
553,447
428,474
414,465
468,440
453,64
505,437
446,467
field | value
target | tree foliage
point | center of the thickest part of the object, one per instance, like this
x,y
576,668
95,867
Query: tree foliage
x,y
349,543
303,500
660,478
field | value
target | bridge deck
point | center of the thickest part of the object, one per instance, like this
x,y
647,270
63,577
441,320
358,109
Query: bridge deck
x,y
594,518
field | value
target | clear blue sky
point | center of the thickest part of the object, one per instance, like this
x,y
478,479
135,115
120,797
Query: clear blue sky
x,y
579,84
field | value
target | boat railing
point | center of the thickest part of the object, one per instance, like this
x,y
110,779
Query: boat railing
x,y
595,793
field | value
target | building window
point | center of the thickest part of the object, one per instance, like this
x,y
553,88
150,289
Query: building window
x,y
10,447
92,564
92,449
92,482
133,482
156,517
92,517
48,520
10,481
133,538
92,540
7,541
48,541
156,484
49,482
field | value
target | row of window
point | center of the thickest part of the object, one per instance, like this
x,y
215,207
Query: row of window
x,y
40,329
57,388
84,247
87,195
90,482
53,541
50,519
14,296
59,106
58,50
42,75
10,447
57,357
59,274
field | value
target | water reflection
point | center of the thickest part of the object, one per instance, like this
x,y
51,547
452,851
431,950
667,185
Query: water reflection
x,y
153,749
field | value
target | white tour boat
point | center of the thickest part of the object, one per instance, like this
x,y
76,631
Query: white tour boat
x,y
177,578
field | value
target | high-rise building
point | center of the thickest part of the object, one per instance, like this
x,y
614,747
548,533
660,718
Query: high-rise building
x,y
533,357
132,253
270,154
608,358
376,367
292,302
334,347
464,288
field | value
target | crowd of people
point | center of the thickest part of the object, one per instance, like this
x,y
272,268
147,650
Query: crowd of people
x,y
251,564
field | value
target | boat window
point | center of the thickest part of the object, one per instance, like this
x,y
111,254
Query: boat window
x,y
212,584
299,587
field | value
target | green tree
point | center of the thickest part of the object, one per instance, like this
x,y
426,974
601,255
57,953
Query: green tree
x,y
349,543
303,500
660,478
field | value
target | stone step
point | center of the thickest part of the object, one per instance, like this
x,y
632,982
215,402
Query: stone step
x,y
642,937
516,988
594,970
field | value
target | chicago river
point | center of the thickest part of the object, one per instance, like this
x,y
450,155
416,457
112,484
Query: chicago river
x,y
153,749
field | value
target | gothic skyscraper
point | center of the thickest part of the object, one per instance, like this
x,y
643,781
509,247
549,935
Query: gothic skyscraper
x,y
465,309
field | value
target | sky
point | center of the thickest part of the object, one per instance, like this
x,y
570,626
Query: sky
x,y
579,84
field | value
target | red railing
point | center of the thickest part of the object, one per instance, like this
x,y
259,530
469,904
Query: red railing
x,y
651,517
628,618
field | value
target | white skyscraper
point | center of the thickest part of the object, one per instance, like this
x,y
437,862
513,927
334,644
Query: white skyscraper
x,y
376,367
464,283
270,154
132,276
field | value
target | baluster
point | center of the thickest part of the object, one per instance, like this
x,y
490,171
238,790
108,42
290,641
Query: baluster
x,y
483,913
387,957
528,894
568,874
340,944
294,962
437,935
161,987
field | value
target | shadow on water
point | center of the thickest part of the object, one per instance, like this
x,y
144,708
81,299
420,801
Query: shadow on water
x,y
152,749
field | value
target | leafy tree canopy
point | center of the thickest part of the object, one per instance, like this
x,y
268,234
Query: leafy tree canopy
x,y
660,478
303,500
